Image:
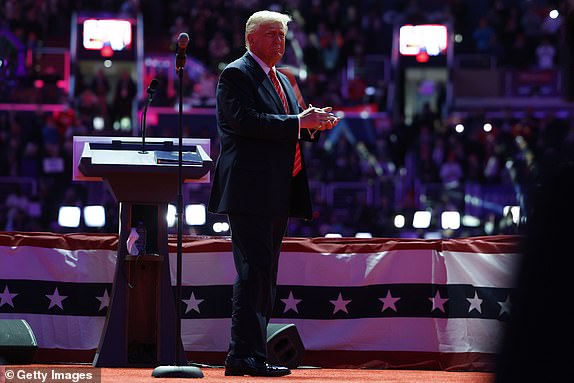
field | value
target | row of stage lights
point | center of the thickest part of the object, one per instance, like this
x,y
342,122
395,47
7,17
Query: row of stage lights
x,y
195,215
452,220
95,216
449,220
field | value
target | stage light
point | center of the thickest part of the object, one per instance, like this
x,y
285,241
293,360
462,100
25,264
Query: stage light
x,y
554,14
370,91
171,215
69,216
459,128
399,221
333,235
95,216
421,219
220,227
470,221
450,220
126,124
195,214
224,226
363,235
422,56
98,123
514,210
107,51
487,127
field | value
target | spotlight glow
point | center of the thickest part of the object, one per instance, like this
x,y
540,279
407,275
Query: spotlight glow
x,y
195,214
69,216
399,221
470,221
98,123
514,210
421,219
171,215
220,227
95,216
450,220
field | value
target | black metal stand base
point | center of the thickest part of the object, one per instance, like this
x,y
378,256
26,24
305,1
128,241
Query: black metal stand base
x,y
177,372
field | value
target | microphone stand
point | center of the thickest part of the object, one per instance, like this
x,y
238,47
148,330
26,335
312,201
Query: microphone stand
x,y
178,371
142,123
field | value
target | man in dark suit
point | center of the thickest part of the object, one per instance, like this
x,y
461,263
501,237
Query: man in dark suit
x,y
260,181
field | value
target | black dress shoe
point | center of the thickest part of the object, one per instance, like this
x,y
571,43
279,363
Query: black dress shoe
x,y
253,367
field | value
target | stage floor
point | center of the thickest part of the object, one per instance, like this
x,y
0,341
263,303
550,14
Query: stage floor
x,y
216,375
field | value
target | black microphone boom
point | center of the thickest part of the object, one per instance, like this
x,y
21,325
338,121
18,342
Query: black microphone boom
x,y
182,42
151,89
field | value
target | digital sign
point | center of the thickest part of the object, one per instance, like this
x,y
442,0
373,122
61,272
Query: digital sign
x,y
431,39
115,33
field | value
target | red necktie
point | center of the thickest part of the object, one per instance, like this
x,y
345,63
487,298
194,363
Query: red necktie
x,y
275,81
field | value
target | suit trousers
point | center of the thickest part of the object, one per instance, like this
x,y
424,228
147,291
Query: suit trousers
x,y
256,245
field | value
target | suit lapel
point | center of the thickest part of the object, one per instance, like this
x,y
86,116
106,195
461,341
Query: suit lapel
x,y
265,81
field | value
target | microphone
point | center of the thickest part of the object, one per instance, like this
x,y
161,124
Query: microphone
x,y
151,89
182,42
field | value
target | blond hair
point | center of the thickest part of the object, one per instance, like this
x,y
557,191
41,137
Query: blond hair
x,y
263,17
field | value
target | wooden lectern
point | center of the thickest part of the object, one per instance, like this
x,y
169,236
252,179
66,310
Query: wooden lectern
x,y
140,326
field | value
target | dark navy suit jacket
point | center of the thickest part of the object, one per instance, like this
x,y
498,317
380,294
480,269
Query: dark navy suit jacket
x,y
253,171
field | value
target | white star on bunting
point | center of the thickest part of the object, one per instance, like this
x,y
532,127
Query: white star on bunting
x,y
475,303
56,299
505,306
389,302
291,303
438,302
6,297
192,303
104,300
340,304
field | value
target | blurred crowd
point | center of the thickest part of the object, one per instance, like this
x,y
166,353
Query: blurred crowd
x,y
394,162
324,36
